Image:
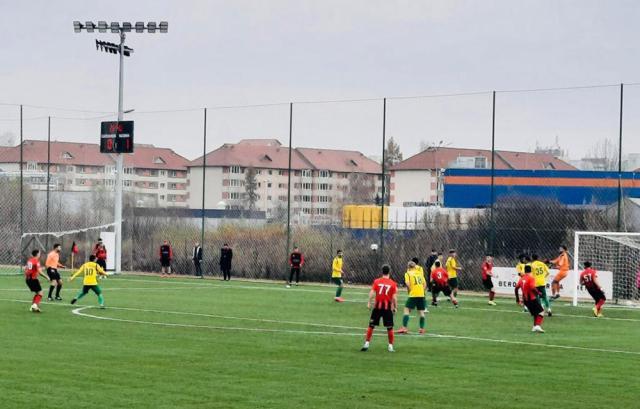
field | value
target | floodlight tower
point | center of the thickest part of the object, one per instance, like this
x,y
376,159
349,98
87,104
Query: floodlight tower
x,y
122,29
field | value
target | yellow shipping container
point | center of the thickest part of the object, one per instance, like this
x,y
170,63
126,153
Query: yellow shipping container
x,y
363,217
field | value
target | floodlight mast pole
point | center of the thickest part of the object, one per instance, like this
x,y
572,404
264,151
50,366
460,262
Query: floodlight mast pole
x,y
119,164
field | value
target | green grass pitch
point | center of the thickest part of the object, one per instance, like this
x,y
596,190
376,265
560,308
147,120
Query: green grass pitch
x,y
185,343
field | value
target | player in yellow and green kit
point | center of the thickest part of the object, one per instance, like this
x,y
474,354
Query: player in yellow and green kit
x,y
90,270
416,285
453,267
540,272
523,260
336,275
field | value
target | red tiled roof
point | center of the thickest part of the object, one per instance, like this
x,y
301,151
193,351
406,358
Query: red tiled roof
x,y
250,155
67,153
88,154
340,161
260,142
276,157
150,157
442,158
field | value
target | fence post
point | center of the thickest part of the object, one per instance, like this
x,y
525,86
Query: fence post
x,y
204,173
21,184
620,196
289,179
48,177
384,176
492,224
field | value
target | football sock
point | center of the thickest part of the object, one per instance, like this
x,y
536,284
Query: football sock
x,y
51,287
599,305
338,292
537,320
545,302
100,299
492,294
405,320
369,334
390,335
80,295
36,299
291,276
58,288
422,320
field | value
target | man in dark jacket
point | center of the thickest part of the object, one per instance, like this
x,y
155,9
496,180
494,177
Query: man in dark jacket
x,y
197,259
296,261
226,254
166,255
428,266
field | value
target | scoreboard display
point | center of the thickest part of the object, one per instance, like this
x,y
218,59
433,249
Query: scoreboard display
x,y
116,137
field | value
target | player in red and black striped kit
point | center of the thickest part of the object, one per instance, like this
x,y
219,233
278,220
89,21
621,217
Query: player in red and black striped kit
x,y
384,294
589,279
31,272
530,294
296,261
440,283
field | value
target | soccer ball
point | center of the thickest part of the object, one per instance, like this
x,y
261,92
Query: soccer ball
x,y
374,247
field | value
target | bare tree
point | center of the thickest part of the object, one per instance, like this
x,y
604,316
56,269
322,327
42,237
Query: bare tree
x,y
7,139
251,187
603,155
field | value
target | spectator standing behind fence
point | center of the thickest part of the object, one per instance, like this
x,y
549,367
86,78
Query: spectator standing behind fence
x,y
226,255
166,255
197,259
97,246
296,261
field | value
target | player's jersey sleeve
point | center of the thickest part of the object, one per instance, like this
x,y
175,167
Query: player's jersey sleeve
x,y
407,280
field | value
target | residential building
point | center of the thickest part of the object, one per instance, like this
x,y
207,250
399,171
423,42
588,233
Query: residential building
x,y
322,180
156,176
418,180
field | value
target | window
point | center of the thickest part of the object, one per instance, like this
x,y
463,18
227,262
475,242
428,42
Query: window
x,y
236,182
161,185
111,182
126,183
322,211
81,182
173,186
67,155
236,169
269,184
173,174
306,198
307,173
297,185
128,171
307,186
159,161
235,195
324,174
282,185
269,198
324,199
480,162
270,172
282,198
282,172
306,210
324,186
161,197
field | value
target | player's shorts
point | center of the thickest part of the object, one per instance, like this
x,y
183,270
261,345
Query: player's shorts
x,y
534,307
386,315
53,273
596,293
165,262
487,283
543,291
34,285
336,280
560,276
436,289
453,282
102,263
95,288
417,303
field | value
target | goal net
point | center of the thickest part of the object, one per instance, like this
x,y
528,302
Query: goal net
x,y
616,257
77,245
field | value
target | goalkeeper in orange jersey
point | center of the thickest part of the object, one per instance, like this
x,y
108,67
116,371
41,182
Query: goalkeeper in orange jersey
x,y
90,270
562,264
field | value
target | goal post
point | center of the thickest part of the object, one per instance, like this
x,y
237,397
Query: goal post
x,y
616,258
81,240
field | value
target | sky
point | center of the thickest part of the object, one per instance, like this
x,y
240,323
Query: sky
x,y
262,55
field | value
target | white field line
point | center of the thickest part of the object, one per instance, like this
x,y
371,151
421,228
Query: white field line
x,y
79,312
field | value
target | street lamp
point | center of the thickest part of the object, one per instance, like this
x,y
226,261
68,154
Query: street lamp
x,y
112,48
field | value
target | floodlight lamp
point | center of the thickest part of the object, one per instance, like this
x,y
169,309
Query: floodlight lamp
x,y
164,26
126,27
102,26
77,27
90,26
151,27
115,27
139,27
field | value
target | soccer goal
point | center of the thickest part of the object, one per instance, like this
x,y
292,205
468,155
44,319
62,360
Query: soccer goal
x,y
77,244
616,257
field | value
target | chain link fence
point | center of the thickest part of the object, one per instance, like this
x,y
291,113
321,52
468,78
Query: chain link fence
x,y
281,197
